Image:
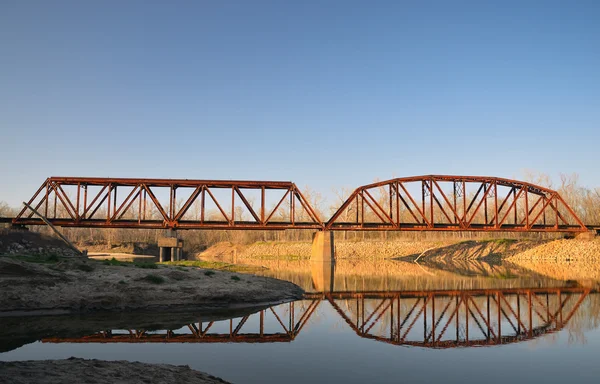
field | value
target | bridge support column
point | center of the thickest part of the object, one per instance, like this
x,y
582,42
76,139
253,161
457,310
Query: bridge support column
x,y
171,248
323,247
163,254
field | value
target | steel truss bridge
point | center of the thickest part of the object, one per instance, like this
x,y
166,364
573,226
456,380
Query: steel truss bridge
x,y
421,203
429,319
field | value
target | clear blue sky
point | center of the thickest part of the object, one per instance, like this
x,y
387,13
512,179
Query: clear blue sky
x,y
323,93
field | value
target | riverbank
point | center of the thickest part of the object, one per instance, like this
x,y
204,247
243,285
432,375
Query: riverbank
x,y
399,249
76,370
34,281
344,249
55,285
564,260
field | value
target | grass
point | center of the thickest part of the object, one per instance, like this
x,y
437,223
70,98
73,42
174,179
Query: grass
x,y
140,264
146,265
504,241
115,262
50,259
154,279
216,265
209,273
85,267
235,278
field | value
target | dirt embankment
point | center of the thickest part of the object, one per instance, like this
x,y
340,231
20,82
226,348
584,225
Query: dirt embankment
x,y
476,250
75,370
563,259
571,249
343,249
37,282
32,243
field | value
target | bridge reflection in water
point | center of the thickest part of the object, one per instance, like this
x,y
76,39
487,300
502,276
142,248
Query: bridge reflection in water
x,y
431,319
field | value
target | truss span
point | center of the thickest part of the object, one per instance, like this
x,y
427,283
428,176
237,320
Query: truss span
x,y
455,203
170,203
420,203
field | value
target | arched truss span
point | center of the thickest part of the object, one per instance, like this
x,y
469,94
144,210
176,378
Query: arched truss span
x,y
455,203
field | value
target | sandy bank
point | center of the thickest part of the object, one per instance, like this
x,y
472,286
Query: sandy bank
x,y
36,281
564,260
343,249
75,370
81,285
572,249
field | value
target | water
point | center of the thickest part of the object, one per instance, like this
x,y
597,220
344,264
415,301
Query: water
x,y
362,321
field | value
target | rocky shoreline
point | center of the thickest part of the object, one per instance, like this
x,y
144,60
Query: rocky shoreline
x,y
74,370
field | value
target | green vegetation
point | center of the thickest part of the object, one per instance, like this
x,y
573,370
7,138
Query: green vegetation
x,y
140,264
115,262
146,265
85,267
504,241
209,273
216,265
154,279
50,259
235,278
122,282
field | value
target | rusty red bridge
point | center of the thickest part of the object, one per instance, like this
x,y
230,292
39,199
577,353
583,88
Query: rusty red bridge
x,y
420,203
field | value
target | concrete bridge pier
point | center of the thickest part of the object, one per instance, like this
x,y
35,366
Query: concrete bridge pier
x,y
170,247
323,247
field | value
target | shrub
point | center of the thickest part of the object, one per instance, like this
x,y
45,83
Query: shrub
x,y
146,265
154,279
85,267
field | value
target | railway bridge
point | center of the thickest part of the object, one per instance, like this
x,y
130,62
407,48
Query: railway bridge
x,y
419,203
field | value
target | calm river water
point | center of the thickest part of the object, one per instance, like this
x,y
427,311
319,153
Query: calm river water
x,y
377,321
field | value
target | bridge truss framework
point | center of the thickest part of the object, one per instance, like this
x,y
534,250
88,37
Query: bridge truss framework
x,y
420,203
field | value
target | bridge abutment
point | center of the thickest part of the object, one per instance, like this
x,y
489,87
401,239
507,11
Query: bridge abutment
x,y
323,247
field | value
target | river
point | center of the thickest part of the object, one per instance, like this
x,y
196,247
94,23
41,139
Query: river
x,y
362,321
